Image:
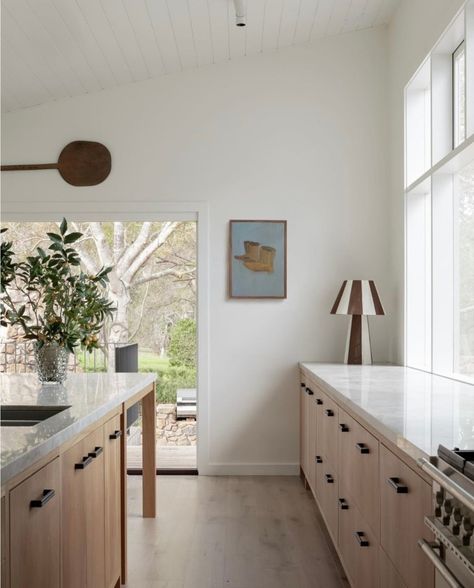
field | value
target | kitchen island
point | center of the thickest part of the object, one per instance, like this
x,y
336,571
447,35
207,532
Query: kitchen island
x,y
63,477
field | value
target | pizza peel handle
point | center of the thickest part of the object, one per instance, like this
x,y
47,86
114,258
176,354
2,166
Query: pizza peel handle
x,y
81,163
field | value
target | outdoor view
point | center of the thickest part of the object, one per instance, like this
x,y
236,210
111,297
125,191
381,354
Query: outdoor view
x,y
153,287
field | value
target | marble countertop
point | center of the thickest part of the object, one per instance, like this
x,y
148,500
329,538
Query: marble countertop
x,y
413,409
89,396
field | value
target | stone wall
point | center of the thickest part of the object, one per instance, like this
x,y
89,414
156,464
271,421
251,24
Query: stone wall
x,y
170,431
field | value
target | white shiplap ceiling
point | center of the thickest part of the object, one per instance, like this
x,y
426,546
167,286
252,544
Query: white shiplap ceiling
x,y
53,49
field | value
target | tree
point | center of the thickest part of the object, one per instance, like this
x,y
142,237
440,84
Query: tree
x,y
182,348
129,251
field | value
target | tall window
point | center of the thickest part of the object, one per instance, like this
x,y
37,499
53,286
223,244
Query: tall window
x,y
459,95
439,207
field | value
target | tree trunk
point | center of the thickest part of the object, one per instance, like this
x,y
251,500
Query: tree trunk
x,y
118,333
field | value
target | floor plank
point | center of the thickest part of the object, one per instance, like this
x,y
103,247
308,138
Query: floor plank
x,y
228,531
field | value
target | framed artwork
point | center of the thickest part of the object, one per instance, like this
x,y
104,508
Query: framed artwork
x,y
257,259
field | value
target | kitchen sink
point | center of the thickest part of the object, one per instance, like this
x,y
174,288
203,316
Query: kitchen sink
x,y
27,415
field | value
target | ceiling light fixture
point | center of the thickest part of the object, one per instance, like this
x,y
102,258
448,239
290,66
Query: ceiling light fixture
x,y
239,13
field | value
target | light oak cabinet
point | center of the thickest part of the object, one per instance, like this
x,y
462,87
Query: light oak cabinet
x,y
83,513
113,481
359,467
358,544
372,502
405,500
35,505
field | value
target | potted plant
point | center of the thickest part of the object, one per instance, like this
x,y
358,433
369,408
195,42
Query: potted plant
x,y
53,301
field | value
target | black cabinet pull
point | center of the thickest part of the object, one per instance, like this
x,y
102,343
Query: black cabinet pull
x,y
362,447
343,504
329,478
97,451
329,412
46,497
116,434
303,385
361,540
344,428
398,486
86,460
309,391
319,401
319,459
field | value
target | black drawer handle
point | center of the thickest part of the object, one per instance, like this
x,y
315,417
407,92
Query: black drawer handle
x,y
398,486
319,401
46,497
97,451
344,428
309,391
329,412
343,504
84,463
303,385
329,478
319,459
362,447
116,434
361,540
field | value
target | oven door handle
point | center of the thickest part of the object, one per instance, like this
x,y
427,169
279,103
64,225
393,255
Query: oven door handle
x,y
454,489
439,564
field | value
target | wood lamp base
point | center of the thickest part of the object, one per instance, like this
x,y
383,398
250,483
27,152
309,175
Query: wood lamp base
x,y
358,351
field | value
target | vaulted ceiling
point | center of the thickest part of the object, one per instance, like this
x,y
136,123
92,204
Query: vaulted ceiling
x,y
53,49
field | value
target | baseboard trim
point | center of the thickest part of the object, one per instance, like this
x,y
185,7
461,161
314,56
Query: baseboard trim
x,y
250,469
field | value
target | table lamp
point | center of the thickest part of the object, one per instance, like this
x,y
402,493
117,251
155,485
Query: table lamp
x,y
358,298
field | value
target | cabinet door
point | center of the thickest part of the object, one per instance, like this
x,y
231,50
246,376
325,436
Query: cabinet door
x,y
95,510
359,467
303,429
405,500
327,493
83,516
389,577
357,544
327,428
35,530
113,474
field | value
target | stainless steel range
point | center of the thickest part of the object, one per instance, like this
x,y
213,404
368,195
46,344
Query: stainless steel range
x,y
452,552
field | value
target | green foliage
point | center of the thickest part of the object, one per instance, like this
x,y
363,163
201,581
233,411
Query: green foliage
x,y
50,297
182,347
169,382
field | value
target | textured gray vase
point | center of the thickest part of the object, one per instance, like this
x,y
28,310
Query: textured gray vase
x,y
51,362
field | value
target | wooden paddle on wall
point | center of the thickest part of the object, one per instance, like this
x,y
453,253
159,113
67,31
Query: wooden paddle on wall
x,y
81,163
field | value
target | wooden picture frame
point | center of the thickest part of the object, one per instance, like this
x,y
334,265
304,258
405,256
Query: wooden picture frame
x,y
257,263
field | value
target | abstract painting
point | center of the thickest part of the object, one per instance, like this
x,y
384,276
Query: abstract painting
x,y
257,259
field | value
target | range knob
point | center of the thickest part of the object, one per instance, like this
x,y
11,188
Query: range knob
x,y
447,510
457,519
467,531
439,497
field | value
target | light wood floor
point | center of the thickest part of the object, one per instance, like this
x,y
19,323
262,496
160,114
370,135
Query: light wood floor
x,y
238,532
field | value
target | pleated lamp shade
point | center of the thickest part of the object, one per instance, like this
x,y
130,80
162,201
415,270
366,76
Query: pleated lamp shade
x,y
358,297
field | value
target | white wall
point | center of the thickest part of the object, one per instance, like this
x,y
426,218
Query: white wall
x,y
300,135
413,31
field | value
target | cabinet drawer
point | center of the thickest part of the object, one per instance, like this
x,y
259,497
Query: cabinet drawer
x,y
358,544
327,428
35,530
327,485
389,577
405,500
359,467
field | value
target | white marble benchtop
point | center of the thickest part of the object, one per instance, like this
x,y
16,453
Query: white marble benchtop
x,y
415,410
90,397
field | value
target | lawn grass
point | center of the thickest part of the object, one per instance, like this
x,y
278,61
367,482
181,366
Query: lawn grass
x,y
147,362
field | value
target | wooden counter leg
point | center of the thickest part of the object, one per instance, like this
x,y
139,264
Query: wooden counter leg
x,y
123,504
149,453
